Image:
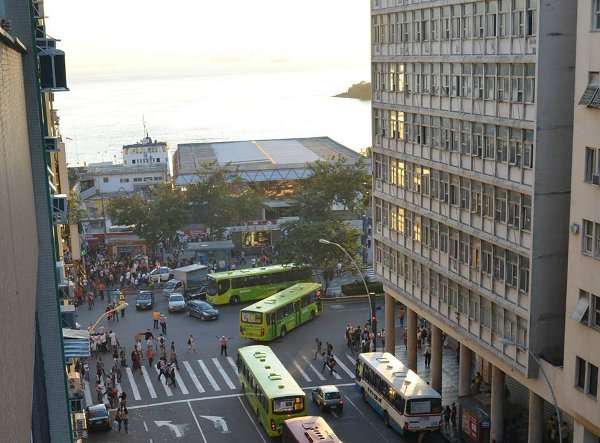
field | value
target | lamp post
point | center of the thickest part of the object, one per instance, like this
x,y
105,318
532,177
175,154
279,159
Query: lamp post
x,y
373,317
537,361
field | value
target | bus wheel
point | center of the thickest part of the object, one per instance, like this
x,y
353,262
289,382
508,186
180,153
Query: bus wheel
x,y
386,418
234,300
283,332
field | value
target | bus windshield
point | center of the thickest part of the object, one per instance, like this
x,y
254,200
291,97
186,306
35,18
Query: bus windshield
x,y
286,405
212,286
424,406
252,317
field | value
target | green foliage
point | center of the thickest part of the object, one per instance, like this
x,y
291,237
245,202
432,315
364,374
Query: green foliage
x,y
334,183
76,211
155,219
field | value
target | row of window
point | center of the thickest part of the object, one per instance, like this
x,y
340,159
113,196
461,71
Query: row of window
x,y
501,205
252,384
454,296
294,274
586,377
380,385
291,309
501,82
513,146
590,240
144,150
145,160
483,19
136,179
498,263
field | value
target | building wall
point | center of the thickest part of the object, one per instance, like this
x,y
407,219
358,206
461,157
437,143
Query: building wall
x,y
18,240
144,155
108,184
582,339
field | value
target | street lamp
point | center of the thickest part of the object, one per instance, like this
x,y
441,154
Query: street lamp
x,y
373,318
537,361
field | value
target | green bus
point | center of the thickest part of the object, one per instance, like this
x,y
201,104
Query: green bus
x,y
278,314
270,390
254,283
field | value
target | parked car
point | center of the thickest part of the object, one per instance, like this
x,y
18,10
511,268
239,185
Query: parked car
x,y
144,300
328,397
202,310
172,286
176,303
160,274
197,294
97,418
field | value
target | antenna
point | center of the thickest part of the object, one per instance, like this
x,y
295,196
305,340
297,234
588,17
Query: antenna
x,y
145,128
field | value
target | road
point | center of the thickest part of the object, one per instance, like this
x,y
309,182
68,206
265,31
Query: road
x,y
207,406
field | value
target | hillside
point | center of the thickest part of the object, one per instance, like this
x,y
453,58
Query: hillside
x,y
360,91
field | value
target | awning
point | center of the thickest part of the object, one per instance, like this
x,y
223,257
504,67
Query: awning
x,y
581,309
76,343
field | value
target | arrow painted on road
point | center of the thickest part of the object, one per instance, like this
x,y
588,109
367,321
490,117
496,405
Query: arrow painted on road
x,y
218,422
179,430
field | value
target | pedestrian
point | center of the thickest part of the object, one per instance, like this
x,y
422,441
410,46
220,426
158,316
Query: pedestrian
x,y
453,415
348,335
223,341
173,358
155,318
401,315
123,399
163,324
118,419
125,419
427,355
447,418
325,358
150,355
318,346
331,364
329,349
191,344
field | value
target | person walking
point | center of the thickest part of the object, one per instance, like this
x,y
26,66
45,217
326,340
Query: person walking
x,y
118,419
453,415
318,346
125,419
223,342
427,355
150,355
163,324
191,344
155,319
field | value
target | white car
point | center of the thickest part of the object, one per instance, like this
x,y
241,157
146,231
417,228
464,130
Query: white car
x,y
160,274
176,303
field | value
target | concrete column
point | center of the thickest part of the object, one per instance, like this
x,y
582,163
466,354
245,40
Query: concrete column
x,y
497,406
390,324
536,418
411,338
464,371
436,358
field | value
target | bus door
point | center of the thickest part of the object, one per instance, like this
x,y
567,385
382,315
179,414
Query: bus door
x,y
298,312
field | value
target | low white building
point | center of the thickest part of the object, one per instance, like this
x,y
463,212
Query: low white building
x,y
146,152
112,179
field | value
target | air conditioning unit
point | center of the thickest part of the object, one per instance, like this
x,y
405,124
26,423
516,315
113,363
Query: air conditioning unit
x,y
60,209
596,179
53,76
51,144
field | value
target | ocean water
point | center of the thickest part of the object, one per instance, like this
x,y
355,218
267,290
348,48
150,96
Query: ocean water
x,y
100,115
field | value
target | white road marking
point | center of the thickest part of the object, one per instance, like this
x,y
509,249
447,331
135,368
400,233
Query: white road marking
x,y
192,375
344,367
180,384
145,427
133,384
233,365
218,422
164,383
148,382
228,381
197,423
317,373
366,419
208,375
252,420
336,375
306,377
88,394
352,359
178,430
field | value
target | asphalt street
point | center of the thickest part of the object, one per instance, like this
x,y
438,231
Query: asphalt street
x,y
207,406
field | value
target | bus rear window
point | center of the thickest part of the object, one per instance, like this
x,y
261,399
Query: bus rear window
x,y
252,317
288,405
424,406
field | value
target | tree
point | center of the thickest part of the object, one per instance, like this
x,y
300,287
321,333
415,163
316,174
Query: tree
x,y
76,211
155,219
334,183
300,244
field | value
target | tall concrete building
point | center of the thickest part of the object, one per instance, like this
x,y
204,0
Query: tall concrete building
x,y
582,324
472,129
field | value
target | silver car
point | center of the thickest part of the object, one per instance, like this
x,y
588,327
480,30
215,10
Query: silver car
x,y
176,303
328,397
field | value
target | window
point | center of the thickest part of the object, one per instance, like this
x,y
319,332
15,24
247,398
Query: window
x,y
512,269
137,179
591,95
124,180
104,179
500,206
526,213
596,15
595,304
486,258
597,240
591,166
587,237
592,381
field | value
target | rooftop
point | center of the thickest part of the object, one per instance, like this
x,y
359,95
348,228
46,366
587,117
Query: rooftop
x,y
145,142
258,160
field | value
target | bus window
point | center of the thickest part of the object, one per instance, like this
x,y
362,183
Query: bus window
x,y
223,286
212,286
287,405
424,406
252,317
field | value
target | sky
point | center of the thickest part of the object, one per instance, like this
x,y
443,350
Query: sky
x,y
117,37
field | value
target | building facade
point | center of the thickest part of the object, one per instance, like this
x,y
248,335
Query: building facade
x,y
582,323
146,152
115,179
472,136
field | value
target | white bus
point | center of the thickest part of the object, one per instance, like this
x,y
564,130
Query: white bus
x,y
404,400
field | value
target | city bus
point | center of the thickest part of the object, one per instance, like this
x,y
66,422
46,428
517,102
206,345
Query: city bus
x,y
254,283
269,389
278,314
404,400
308,430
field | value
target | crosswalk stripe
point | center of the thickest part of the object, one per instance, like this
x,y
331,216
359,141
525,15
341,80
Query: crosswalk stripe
x,y
233,365
148,382
306,377
217,363
344,367
192,375
180,384
317,373
352,359
164,383
337,376
133,384
87,393
209,376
